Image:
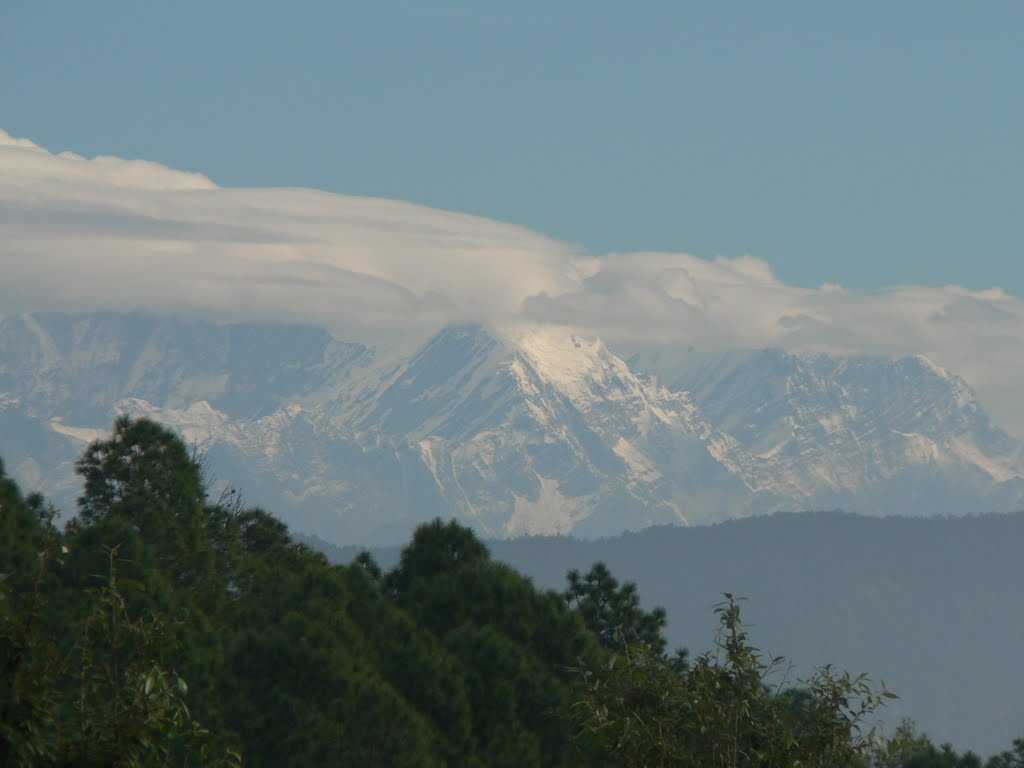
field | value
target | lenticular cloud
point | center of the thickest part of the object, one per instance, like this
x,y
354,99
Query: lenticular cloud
x,y
113,233
108,233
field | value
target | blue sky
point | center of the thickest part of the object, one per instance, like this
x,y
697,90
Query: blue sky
x,y
867,144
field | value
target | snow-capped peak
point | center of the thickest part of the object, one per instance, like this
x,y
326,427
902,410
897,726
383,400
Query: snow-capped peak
x,y
536,429
571,363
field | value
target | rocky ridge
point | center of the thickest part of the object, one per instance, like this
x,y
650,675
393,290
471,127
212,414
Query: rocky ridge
x,y
532,430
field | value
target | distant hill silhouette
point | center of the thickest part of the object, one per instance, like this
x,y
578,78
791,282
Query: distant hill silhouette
x,y
934,606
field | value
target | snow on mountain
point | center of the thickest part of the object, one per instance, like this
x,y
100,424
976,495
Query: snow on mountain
x,y
839,430
531,430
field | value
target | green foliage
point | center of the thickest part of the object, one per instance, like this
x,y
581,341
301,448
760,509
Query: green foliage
x,y
144,472
437,549
449,659
514,643
722,710
143,476
1011,758
907,748
110,702
612,612
25,527
30,666
128,706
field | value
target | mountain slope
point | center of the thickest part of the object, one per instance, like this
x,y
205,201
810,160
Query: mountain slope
x,y
531,430
873,435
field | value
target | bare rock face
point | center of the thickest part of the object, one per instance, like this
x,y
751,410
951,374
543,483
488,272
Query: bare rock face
x,y
524,431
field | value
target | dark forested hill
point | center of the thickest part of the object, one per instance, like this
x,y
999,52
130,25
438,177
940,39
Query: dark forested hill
x,y
935,607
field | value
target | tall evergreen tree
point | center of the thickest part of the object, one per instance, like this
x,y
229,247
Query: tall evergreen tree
x,y
612,611
157,609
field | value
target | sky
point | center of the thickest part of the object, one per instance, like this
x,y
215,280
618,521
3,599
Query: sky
x,y
863,144
840,180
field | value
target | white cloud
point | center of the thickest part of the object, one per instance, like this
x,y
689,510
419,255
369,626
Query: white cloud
x,y
78,234
6,140
26,163
107,233
656,297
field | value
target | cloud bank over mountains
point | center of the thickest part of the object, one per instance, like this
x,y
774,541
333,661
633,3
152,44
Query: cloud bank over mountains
x,y
106,233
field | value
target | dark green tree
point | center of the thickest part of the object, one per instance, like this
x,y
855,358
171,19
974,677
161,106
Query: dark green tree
x,y
612,611
721,711
111,701
515,643
144,476
449,659
1011,758
26,524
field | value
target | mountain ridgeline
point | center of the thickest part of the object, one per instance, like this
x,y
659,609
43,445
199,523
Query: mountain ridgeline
x,y
932,606
523,432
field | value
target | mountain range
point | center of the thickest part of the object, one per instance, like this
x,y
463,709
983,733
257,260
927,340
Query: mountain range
x,y
531,430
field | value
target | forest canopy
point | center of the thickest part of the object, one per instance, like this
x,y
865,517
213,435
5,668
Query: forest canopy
x,y
161,626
